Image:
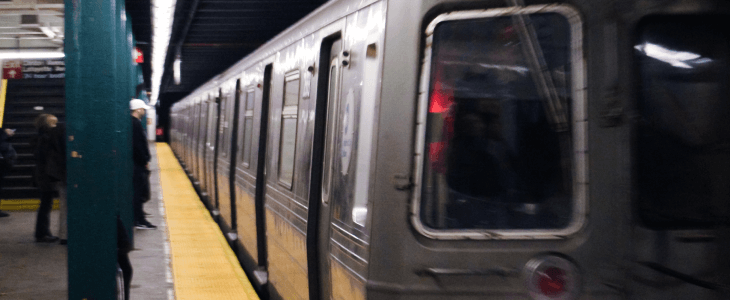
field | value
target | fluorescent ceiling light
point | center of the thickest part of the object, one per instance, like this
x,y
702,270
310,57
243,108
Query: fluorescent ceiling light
x,y
31,55
163,14
176,69
680,59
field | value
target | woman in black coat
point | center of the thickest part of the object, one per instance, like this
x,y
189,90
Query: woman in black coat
x,y
46,183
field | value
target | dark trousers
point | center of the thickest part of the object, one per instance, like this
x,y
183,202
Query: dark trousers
x,y
126,266
42,222
141,182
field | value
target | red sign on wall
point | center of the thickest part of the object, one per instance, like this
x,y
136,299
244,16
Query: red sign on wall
x,y
12,69
138,56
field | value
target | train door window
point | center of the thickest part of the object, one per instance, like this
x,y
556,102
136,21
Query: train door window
x,y
241,114
225,125
248,126
202,112
246,110
683,137
503,117
332,97
289,112
211,125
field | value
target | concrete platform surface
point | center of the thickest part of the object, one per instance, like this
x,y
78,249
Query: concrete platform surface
x,y
38,271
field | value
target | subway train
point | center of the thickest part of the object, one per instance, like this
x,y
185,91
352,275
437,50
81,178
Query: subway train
x,y
454,149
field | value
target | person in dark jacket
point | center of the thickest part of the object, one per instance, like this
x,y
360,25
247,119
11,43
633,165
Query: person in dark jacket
x,y
8,156
44,123
141,158
56,170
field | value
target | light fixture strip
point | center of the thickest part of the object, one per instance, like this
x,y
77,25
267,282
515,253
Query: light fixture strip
x,y
31,55
163,14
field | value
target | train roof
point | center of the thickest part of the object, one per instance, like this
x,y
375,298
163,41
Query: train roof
x,y
326,14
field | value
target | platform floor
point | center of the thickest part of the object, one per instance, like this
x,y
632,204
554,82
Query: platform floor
x,y
189,259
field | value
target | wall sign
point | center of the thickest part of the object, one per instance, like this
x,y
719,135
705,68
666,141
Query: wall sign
x,y
12,69
42,68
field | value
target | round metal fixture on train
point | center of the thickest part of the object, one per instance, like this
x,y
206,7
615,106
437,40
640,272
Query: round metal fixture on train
x,y
552,277
345,63
345,53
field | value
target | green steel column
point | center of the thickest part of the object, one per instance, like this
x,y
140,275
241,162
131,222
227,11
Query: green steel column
x,y
98,147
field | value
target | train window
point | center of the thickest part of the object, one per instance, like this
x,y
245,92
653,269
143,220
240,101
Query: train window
x,y
498,150
248,127
329,146
211,125
223,127
289,112
239,134
683,137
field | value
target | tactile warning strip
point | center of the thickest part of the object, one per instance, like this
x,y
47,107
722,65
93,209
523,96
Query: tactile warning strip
x,y
203,265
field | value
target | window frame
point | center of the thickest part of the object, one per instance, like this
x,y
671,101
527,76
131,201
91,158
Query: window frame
x,y
223,126
248,113
239,134
291,113
579,132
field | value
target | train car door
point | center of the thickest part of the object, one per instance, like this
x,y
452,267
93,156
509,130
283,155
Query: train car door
x,y
682,163
260,195
323,156
210,154
202,154
201,147
328,142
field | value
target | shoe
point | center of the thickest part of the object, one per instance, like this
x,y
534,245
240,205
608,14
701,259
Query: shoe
x,y
63,242
47,239
3,214
145,226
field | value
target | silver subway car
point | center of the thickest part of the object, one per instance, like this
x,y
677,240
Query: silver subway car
x,y
436,149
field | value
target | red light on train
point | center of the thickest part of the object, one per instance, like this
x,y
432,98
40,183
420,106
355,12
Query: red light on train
x,y
552,282
552,277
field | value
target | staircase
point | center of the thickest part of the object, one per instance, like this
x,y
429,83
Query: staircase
x,y
24,101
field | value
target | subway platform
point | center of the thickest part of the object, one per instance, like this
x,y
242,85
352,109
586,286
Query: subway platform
x,y
186,257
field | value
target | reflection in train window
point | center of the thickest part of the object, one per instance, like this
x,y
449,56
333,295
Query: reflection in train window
x,y
288,137
498,145
683,137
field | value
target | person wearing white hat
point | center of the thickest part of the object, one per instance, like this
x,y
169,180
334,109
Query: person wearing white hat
x,y
141,157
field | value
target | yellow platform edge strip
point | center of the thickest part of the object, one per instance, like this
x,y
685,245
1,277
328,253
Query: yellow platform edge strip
x,y
203,265
23,204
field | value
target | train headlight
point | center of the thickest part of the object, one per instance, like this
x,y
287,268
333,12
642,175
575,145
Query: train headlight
x,y
551,277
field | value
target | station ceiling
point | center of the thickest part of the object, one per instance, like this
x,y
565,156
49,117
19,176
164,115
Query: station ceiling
x,y
211,35
140,11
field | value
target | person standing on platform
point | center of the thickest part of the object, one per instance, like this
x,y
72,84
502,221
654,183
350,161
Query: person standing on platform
x,y
8,156
56,170
44,123
141,157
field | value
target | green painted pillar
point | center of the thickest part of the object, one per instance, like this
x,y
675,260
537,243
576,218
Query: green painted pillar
x,y
99,159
